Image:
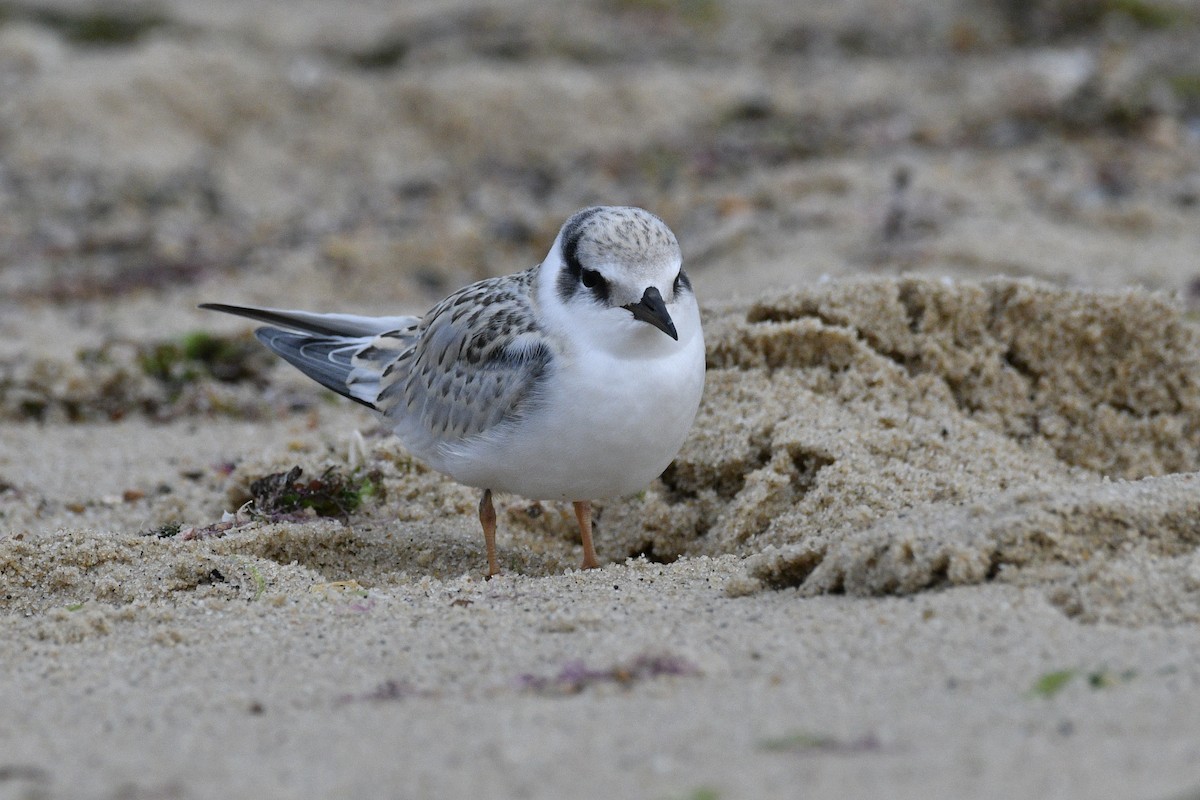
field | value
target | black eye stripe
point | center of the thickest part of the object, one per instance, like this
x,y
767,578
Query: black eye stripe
x,y
570,278
682,283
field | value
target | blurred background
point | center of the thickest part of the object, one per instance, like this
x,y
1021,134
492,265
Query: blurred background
x,y
376,155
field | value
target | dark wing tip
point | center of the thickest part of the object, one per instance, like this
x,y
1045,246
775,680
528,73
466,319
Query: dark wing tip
x,y
228,309
289,320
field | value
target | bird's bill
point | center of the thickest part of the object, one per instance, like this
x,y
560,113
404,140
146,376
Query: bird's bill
x,y
652,309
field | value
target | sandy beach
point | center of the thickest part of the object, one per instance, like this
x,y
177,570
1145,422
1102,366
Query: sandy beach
x,y
935,531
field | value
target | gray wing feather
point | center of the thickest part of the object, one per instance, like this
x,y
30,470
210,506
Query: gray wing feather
x,y
475,362
329,360
479,362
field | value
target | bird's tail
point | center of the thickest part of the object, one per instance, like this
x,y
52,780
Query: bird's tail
x,y
343,352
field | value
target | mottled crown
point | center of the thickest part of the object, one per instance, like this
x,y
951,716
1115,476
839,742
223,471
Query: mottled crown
x,y
633,238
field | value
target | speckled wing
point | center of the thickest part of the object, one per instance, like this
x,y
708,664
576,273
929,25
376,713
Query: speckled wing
x,y
474,365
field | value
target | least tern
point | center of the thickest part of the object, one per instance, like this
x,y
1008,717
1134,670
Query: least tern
x,y
577,379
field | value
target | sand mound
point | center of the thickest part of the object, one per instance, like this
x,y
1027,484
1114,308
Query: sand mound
x,y
890,436
1142,534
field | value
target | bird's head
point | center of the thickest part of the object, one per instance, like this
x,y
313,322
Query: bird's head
x,y
618,270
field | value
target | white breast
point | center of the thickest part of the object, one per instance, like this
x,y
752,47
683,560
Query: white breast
x,y
611,421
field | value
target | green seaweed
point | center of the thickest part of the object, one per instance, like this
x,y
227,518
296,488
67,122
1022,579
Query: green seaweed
x,y
1151,16
387,53
1104,678
1051,683
102,25
334,494
197,355
260,583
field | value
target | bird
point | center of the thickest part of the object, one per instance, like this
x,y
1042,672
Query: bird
x,y
577,379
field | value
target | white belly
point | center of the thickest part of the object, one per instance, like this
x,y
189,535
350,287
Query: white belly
x,y
607,428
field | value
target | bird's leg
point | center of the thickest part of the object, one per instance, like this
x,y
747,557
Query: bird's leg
x,y
583,513
487,518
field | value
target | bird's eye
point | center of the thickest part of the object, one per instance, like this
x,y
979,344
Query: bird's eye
x,y
591,279
681,283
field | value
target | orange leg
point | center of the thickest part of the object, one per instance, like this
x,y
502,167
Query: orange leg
x,y
583,513
487,518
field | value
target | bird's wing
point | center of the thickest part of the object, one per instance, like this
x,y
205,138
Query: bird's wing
x,y
478,363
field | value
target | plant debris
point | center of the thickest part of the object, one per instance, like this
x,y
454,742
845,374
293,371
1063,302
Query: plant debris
x,y
166,531
575,676
200,355
209,531
194,374
334,494
1051,683
802,742
117,26
388,691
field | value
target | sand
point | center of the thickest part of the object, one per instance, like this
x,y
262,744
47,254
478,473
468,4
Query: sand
x,y
934,533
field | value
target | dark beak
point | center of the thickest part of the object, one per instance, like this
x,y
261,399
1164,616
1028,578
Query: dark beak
x,y
652,309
